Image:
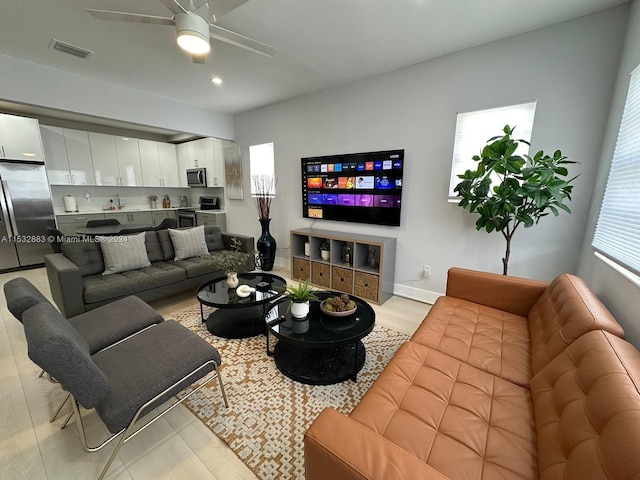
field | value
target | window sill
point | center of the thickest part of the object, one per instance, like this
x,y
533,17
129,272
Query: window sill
x,y
629,275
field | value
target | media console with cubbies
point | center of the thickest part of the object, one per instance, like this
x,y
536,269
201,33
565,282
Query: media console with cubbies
x,y
368,271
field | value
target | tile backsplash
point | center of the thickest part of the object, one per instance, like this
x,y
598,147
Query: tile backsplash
x,y
96,198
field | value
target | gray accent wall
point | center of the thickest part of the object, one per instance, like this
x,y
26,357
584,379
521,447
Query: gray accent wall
x,y
569,68
619,294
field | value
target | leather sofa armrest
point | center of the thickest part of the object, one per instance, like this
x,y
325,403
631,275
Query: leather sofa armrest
x,y
246,242
65,283
337,447
510,294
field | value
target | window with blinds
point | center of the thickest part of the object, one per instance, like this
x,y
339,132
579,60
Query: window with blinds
x,y
473,129
617,234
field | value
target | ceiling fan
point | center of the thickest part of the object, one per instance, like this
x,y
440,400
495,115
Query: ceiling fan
x,y
195,25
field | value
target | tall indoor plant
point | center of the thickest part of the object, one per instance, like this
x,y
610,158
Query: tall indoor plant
x,y
508,190
264,191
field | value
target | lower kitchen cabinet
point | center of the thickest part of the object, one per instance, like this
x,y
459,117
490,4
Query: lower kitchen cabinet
x,y
207,218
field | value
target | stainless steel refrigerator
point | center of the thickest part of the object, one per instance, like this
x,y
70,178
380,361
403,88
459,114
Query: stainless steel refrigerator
x,y
25,212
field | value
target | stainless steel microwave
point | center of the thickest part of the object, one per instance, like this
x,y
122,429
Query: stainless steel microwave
x,y
197,177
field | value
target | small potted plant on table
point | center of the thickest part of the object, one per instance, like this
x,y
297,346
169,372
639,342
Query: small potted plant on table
x,y
324,250
300,297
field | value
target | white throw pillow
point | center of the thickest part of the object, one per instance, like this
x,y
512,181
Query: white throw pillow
x,y
123,252
189,242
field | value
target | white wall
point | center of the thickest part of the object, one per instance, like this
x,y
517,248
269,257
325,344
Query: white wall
x,y
33,84
619,294
569,68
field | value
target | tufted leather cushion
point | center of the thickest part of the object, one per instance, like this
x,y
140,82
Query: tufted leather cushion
x,y
465,423
587,409
566,310
486,338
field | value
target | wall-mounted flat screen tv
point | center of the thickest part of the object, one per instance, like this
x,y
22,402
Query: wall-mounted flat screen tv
x,y
354,187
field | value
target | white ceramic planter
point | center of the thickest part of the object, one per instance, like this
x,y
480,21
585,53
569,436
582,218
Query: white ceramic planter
x,y
324,254
232,280
300,309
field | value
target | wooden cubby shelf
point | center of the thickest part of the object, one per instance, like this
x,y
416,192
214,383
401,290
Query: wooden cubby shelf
x,y
369,273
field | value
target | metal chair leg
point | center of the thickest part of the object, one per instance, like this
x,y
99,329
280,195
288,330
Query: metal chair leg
x,y
127,433
64,424
55,414
224,394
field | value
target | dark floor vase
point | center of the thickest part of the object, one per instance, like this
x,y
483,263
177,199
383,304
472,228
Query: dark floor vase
x,y
266,246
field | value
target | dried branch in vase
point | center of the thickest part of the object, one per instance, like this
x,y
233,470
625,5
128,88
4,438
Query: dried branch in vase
x,y
264,188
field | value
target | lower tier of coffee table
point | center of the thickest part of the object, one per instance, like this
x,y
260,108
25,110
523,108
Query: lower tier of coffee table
x,y
236,322
320,366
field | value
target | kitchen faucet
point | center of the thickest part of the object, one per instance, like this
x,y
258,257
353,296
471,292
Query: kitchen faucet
x,y
120,205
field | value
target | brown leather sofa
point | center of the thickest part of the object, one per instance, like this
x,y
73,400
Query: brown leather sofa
x,y
506,378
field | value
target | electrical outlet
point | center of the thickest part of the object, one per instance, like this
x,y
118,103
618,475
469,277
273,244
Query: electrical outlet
x,y
426,270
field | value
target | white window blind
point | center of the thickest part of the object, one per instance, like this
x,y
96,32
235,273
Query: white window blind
x,y
261,165
618,229
473,129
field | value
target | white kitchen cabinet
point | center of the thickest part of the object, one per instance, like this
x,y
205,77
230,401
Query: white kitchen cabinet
x,y
131,218
69,224
128,154
79,157
67,156
157,216
209,218
159,164
20,138
207,153
150,163
168,165
55,155
105,159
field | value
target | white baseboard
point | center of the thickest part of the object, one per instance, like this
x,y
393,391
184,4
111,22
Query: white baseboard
x,y
417,294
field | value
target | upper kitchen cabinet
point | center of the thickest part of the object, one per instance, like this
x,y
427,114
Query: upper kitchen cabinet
x,y
168,164
79,157
67,156
128,161
207,153
150,163
159,164
20,138
116,160
105,159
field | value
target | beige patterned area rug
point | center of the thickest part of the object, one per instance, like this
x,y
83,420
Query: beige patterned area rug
x,y
268,413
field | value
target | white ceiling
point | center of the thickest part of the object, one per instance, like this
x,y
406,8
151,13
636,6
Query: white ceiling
x,y
320,43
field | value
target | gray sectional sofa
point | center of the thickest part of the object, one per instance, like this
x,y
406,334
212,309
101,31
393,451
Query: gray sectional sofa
x,y
78,284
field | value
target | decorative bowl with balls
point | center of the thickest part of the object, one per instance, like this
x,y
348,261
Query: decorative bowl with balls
x,y
338,306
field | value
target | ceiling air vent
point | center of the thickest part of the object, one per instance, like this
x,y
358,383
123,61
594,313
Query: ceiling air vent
x,y
70,49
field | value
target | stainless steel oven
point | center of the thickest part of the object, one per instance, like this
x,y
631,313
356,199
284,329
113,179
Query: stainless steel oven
x,y
186,217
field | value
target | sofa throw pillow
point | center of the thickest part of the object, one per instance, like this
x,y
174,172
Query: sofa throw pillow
x,y
213,237
123,252
188,242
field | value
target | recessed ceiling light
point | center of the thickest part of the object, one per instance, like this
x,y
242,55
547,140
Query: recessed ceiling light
x,y
216,80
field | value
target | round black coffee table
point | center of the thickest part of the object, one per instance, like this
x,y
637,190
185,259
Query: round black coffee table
x,y
238,317
319,350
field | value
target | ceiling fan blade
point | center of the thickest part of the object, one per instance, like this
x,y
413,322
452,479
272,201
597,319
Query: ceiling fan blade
x,y
227,36
198,58
130,17
174,6
218,8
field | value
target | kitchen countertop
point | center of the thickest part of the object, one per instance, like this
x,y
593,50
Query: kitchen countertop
x,y
133,209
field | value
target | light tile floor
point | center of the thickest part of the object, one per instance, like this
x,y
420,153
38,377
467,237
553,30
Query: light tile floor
x,y
178,446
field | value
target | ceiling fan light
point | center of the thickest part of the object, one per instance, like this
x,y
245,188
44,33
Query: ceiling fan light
x,y
193,33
